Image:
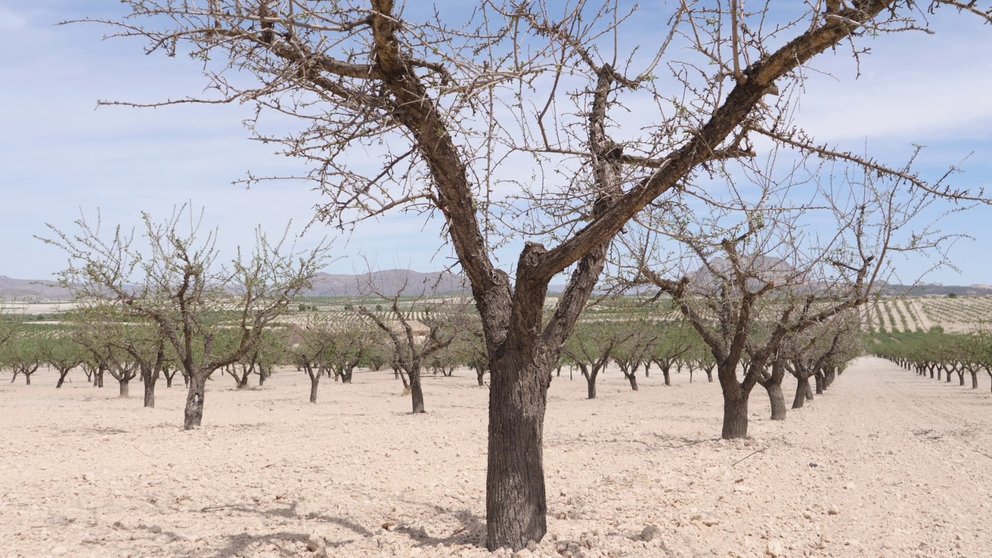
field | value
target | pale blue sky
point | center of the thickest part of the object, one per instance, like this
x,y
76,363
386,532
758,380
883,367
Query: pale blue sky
x,y
60,155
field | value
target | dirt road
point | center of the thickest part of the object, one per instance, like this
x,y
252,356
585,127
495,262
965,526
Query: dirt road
x,y
884,464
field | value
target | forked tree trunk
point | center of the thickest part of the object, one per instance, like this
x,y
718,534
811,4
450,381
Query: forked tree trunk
x,y
416,391
62,375
709,374
516,504
801,387
194,400
168,379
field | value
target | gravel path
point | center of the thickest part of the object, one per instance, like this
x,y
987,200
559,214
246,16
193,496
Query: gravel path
x,y
884,464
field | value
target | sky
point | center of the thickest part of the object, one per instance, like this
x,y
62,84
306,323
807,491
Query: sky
x,y
62,157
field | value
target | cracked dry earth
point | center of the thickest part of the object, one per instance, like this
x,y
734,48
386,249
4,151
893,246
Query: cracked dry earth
x,y
884,464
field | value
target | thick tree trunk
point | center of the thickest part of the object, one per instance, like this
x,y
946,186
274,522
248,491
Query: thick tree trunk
x,y
777,399
98,378
124,388
194,400
734,415
27,379
818,380
416,391
801,388
809,391
150,390
516,504
974,379
666,371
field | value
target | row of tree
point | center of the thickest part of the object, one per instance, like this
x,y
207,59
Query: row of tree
x,y
938,354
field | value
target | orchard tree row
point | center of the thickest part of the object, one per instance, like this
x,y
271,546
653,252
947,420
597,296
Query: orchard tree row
x,y
938,354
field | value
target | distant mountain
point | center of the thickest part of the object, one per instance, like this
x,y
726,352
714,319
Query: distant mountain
x,y
31,290
391,281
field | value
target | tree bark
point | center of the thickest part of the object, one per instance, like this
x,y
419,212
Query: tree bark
x,y
416,391
62,375
632,378
818,380
974,379
516,504
194,400
801,388
150,390
777,400
591,386
734,415
809,391
314,381
666,371
124,388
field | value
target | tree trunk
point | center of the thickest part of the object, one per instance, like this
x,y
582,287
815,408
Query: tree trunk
x,y
27,379
63,374
168,379
590,386
666,371
416,392
98,378
818,380
809,391
314,381
801,388
150,381
632,378
124,387
516,504
776,398
709,375
974,379
480,375
194,400
734,415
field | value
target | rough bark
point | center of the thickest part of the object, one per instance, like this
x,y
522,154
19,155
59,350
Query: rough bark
x,y
194,400
416,391
801,387
777,400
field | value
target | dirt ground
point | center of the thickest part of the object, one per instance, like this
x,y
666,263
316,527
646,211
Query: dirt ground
x,y
884,464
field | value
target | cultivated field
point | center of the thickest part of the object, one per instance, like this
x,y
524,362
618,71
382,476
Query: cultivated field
x,y
886,463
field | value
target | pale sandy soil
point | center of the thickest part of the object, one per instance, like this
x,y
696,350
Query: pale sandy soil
x,y
884,464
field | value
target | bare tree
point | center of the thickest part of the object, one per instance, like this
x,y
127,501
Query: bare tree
x,y
455,108
414,341
178,284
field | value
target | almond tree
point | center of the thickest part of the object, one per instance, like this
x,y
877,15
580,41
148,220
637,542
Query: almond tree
x,y
506,120
178,283
414,341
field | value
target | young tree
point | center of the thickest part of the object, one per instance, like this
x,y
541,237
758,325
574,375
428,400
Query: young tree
x,y
452,105
61,351
591,347
178,284
414,341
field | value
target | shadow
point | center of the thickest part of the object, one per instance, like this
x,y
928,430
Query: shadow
x,y
239,545
288,511
470,532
